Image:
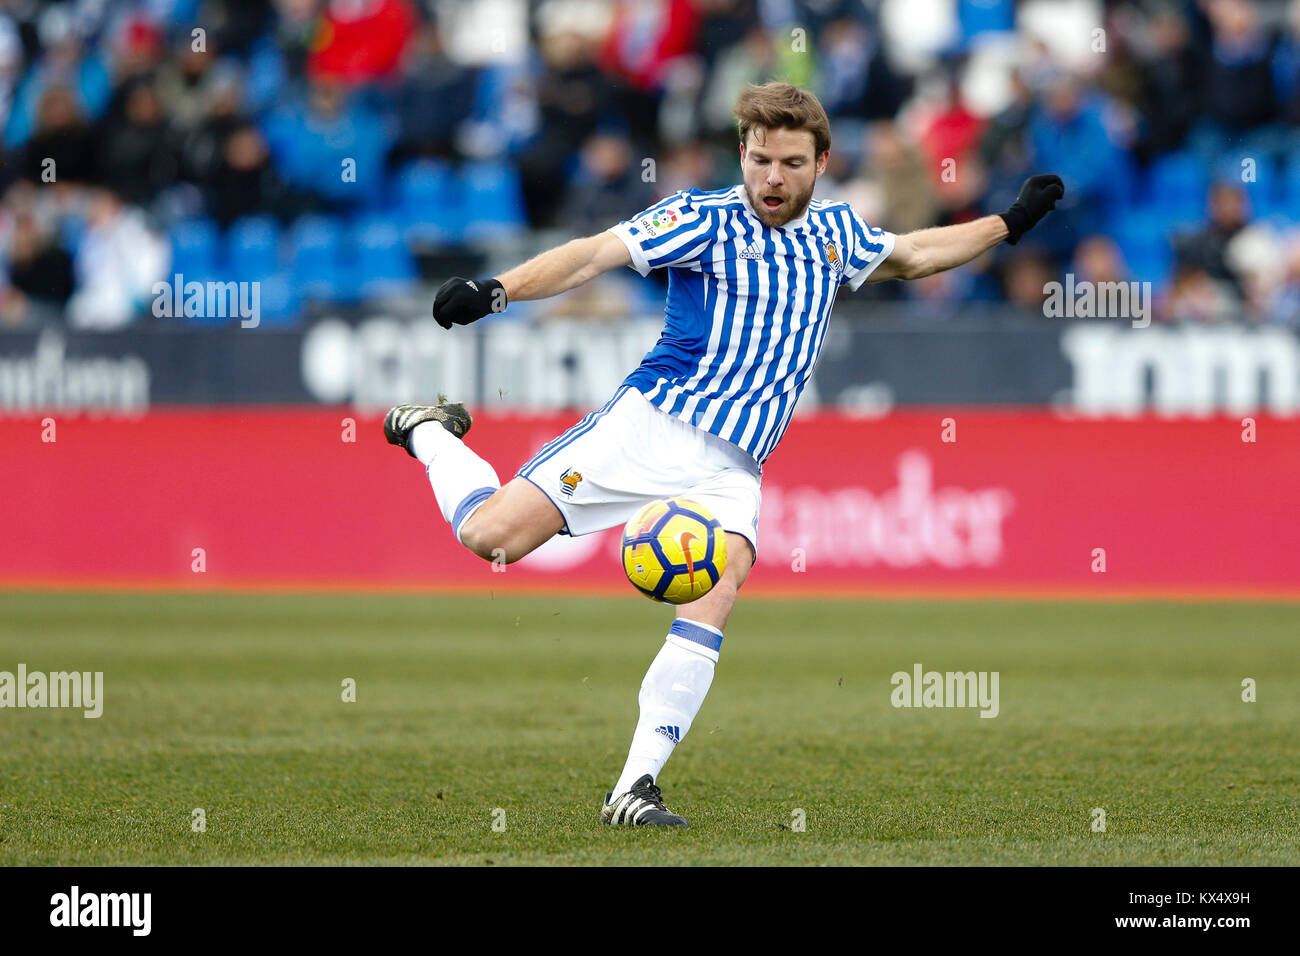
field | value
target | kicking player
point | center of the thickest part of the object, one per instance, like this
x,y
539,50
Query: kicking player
x,y
752,275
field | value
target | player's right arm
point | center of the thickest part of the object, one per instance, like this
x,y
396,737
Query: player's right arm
x,y
565,267
462,301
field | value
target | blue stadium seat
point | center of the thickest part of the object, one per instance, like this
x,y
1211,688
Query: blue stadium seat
x,y
266,79
196,257
1121,189
429,203
1145,238
1289,189
252,248
279,300
196,249
1177,185
317,261
985,16
384,264
493,200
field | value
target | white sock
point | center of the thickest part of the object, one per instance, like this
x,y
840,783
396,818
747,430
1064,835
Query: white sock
x,y
671,695
461,479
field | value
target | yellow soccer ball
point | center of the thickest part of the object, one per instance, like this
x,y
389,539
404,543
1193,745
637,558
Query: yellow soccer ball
x,y
674,551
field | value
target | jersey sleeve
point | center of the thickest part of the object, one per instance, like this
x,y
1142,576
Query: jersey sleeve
x,y
674,232
870,248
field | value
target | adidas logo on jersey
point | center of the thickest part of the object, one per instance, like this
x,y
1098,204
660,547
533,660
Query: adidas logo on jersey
x,y
672,733
752,251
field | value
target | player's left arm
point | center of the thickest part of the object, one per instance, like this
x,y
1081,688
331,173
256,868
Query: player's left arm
x,y
927,251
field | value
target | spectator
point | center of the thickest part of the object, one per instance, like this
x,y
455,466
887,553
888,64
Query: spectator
x,y
608,186
243,181
857,81
331,146
1004,141
1286,67
647,36
949,136
1206,249
138,50
360,41
117,262
1257,258
1024,279
11,62
1097,259
692,165
63,64
1282,307
190,82
1197,297
1171,86
572,98
434,99
39,267
1069,136
138,154
202,146
62,148
1238,78
753,60
722,25
235,25
902,179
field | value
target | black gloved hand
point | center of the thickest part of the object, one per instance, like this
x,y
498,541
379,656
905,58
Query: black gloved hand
x,y
462,301
1037,197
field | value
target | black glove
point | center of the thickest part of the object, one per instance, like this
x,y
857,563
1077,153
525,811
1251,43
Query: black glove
x,y
1037,197
462,301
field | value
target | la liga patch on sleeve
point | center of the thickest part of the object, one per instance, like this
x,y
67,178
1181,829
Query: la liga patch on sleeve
x,y
660,221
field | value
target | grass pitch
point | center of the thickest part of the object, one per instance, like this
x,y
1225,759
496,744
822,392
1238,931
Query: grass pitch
x,y
471,705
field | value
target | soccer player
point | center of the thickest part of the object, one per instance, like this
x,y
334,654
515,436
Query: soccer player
x,y
752,275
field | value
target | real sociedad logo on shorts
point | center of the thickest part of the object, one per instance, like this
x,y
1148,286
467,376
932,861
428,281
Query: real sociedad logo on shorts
x,y
833,257
569,482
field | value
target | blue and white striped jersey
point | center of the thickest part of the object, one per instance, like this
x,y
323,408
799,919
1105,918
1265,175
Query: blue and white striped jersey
x,y
747,308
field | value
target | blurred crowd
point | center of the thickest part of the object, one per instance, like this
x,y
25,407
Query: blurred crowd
x,y
138,131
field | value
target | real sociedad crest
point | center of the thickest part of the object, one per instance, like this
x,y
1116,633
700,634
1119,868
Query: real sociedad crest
x,y
833,257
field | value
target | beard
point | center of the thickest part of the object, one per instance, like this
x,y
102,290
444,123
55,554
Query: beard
x,y
794,205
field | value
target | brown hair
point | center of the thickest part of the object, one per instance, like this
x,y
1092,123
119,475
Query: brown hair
x,y
783,106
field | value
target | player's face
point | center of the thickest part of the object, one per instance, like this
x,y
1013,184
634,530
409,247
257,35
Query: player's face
x,y
781,167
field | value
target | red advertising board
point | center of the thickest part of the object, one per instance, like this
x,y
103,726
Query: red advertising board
x,y
1022,502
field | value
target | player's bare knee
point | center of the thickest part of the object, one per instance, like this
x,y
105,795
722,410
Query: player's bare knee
x,y
494,539
481,535
738,569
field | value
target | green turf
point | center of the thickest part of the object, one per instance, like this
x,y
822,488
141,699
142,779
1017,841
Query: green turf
x,y
467,704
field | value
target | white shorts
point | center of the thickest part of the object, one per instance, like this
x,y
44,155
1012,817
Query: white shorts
x,y
605,468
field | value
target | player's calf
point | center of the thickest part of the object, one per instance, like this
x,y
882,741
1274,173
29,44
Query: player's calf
x,y
716,606
462,481
515,521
